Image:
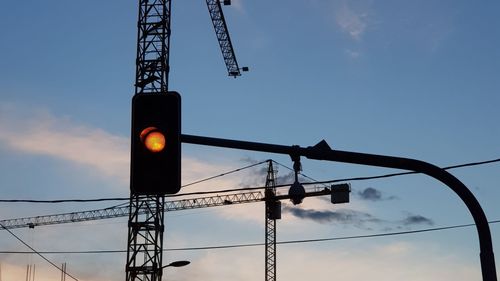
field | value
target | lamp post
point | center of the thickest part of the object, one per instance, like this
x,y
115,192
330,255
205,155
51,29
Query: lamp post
x,y
177,264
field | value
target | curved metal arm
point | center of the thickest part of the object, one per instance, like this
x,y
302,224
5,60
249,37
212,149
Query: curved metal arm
x,y
322,151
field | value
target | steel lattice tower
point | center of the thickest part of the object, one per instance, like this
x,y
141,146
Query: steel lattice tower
x,y
270,244
145,238
146,221
153,44
146,217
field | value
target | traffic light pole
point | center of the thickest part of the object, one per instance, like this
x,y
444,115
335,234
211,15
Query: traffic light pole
x,y
322,151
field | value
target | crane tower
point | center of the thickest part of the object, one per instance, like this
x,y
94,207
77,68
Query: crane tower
x,y
272,213
146,214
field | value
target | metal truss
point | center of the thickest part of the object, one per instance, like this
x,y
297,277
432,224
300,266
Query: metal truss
x,y
123,211
213,201
270,243
153,44
219,23
145,238
145,224
90,215
146,218
152,69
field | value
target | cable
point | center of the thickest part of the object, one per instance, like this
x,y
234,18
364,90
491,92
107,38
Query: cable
x,y
262,244
302,174
336,180
64,200
128,198
250,188
224,174
38,253
402,173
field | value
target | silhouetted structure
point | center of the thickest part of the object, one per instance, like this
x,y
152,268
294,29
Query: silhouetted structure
x,y
273,212
146,224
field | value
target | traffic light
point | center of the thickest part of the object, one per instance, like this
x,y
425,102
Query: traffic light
x,y
155,167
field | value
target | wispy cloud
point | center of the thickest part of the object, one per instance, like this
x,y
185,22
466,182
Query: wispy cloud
x,y
40,132
373,194
412,219
342,216
352,54
356,218
370,193
351,262
350,21
44,134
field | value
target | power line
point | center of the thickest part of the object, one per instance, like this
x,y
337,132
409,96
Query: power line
x,y
128,198
405,173
63,200
292,170
246,188
335,180
375,235
38,253
225,174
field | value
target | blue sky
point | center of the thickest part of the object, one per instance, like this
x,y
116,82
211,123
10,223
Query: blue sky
x,y
417,79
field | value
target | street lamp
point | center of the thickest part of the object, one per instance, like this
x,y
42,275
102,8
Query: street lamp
x,y
177,264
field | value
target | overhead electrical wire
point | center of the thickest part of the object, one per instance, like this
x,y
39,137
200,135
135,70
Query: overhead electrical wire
x,y
302,174
406,173
225,174
123,198
38,253
331,181
246,188
375,235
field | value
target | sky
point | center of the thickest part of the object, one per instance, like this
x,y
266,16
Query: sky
x,y
415,79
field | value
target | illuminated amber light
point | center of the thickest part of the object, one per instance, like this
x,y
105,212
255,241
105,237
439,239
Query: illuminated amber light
x,y
153,139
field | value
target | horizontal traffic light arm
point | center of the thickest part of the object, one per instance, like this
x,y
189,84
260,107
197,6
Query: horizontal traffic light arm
x,y
322,151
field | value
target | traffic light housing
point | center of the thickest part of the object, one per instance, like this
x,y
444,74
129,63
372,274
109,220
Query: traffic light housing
x,y
155,167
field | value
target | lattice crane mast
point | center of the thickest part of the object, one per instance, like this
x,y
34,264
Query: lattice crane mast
x,y
153,44
146,221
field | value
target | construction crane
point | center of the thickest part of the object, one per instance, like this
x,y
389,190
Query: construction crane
x,y
153,44
269,196
226,47
123,211
272,213
146,221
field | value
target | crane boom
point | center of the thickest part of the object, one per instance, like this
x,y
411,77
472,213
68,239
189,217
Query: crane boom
x,y
89,215
123,211
219,23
